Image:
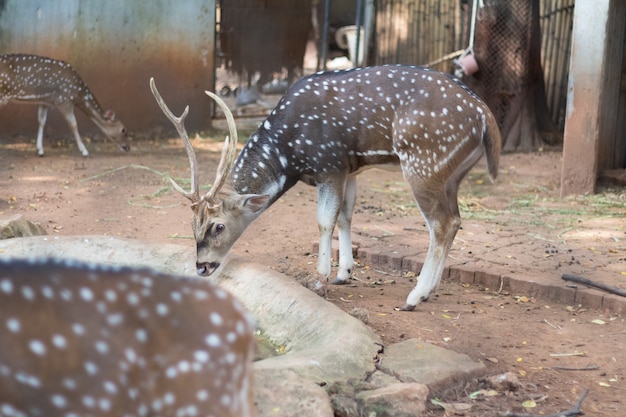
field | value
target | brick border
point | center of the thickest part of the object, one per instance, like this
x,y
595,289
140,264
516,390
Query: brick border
x,y
412,260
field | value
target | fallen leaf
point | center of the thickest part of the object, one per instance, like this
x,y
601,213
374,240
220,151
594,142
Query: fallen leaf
x,y
529,404
598,321
604,384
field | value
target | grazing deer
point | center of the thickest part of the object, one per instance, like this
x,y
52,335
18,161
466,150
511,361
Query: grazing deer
x,y
79,340
50,83
325,130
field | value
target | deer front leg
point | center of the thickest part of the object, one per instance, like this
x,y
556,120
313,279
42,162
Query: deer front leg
x,y
344,221
68,113
443,224
329,201
42,115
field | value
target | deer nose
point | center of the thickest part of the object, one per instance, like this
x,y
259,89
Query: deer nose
x,y
204,269
125,148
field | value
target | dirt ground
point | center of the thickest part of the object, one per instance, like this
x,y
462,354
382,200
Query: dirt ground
x,y
558,341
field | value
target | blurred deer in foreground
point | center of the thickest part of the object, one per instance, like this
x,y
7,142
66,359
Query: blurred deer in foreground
x,y
325,130
79,340
50,83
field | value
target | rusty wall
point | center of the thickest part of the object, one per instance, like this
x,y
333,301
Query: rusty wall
x,y
116,46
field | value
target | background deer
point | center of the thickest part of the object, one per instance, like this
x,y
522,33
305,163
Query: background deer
x,y
50,83
326,129
79,340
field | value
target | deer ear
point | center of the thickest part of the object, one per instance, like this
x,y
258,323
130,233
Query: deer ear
x,y
255,202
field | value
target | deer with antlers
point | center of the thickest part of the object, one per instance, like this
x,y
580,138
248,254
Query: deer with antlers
x,y
327,128
51,83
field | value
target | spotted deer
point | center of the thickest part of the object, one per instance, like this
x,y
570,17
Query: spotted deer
x,y
51,83
326,129
81,340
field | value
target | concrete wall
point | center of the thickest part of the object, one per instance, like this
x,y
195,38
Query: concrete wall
x,y
593,93
116,46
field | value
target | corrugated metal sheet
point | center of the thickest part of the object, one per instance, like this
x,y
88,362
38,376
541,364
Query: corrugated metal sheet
x,y
116,46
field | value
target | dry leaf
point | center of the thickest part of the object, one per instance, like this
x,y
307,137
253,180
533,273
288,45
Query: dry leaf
x,y
529,404
598,321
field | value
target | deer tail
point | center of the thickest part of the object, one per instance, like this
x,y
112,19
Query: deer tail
x,y
493,145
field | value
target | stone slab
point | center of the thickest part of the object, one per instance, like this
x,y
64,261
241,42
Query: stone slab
x,y
416,361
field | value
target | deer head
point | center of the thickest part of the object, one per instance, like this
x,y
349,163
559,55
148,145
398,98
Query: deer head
x,y
219,216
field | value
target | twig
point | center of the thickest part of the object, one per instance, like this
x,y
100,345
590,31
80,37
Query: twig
x,y
576,411
586,368
588,282
555,326
560,355
135,166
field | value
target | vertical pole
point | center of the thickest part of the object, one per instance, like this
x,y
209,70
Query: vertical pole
x,y
324,46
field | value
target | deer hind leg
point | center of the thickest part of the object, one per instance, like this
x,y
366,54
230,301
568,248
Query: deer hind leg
x,y
42,115
344,221
440,210
70,118
329,202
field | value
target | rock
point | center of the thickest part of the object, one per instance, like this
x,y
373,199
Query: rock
x,y
282,393
361,313
380,379
342,396
17,226
504,382
395,400
417,361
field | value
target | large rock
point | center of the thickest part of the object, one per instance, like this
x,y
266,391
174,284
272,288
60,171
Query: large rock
x,y
17,226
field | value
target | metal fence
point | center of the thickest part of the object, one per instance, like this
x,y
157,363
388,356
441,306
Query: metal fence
x,y
432,32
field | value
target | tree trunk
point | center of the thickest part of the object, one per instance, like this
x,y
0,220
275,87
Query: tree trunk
x,y
510,80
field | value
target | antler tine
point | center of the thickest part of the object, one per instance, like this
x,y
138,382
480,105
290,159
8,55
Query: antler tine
x,y
228,152
179,124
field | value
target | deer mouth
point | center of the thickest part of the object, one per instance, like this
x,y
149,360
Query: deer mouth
x,y
204,269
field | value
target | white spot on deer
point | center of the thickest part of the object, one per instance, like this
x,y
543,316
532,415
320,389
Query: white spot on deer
x,y
213,340
13,325
91,368
101,347
58,401
6,286
59,341
28,293
162,309
37,347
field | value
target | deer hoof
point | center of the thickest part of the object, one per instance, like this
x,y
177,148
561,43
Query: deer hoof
x,y
406,307
338,281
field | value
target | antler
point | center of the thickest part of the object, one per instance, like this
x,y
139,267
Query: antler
x,y
228,153
226,160
179,123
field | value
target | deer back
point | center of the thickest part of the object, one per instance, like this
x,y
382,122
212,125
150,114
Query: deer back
x,y
345,121
81,340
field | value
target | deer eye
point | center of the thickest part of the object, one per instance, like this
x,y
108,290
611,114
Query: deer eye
x,y
219,228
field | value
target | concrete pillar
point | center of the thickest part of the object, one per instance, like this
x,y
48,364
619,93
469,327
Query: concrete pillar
x,y
592,96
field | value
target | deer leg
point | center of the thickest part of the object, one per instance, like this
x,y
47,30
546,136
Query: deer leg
x,y
68,113
443,223
329,201
42,115
346,261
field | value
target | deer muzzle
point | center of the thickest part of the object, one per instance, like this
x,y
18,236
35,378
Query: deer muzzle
x,y
204,269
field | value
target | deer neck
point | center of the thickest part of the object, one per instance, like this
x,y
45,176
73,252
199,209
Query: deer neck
x,y
90,106
260,168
